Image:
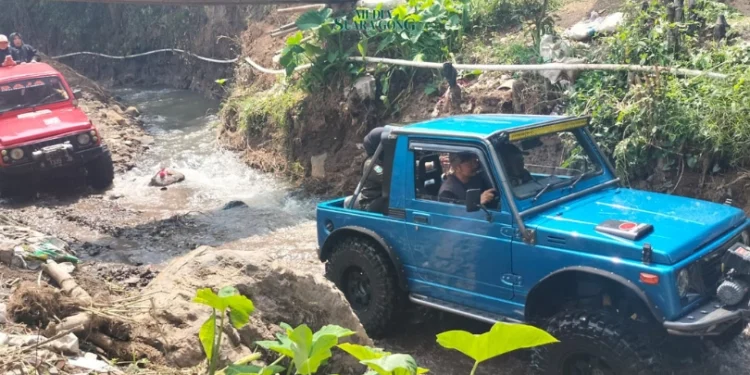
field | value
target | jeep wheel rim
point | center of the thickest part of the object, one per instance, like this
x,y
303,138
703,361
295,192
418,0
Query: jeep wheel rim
x,y
586,364
357,287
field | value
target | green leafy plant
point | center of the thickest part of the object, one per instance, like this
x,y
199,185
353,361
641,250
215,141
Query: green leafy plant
x,y
661,123
307,350
502,338
381,362
240,308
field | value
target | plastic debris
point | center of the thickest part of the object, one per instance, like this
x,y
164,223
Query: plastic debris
x,y
585,30
67,344
89,361
3,314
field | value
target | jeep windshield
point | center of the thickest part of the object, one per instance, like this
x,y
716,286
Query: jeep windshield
x,y
538,165
31,93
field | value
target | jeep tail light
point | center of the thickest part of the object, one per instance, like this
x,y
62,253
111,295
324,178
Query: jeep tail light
x,y
650,279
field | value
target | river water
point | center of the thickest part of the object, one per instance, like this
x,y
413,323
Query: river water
x,y
182,124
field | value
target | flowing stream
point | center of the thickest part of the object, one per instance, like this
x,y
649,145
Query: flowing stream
x,y
182,125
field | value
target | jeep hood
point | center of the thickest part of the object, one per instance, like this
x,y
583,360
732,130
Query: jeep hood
x,y
681,225
44,123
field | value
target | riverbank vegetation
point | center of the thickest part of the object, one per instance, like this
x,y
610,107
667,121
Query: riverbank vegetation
x,y
645,122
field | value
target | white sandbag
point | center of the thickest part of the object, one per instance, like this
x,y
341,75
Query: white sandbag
x,y
610,23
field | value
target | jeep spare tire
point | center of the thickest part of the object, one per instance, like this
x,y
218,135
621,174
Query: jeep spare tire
x,y
100,171
595,342
367,279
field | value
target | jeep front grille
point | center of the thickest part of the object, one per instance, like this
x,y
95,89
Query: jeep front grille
x,y
710,272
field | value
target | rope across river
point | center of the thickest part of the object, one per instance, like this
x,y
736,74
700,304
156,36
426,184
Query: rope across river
x,y
432,65
173,50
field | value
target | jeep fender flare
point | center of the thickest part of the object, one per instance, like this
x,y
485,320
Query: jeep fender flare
x,y
627,284
338,234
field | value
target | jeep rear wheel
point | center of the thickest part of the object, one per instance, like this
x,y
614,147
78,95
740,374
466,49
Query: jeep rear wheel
x,y
595,342
367,279
100,171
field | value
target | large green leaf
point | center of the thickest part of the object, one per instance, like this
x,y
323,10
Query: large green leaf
x,y
295,39
207,335
334,330
501,338
361,352
302,343
240,308
207,297
283,346
319,353
394,364
228,291
312,19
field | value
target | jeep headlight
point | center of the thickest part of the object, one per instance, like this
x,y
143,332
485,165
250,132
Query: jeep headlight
x,y
683,282
16,154
83,139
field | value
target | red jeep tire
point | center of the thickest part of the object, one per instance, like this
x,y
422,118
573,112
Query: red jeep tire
x,y
100,171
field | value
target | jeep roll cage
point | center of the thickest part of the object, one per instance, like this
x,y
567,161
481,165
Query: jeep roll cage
x,y
392,131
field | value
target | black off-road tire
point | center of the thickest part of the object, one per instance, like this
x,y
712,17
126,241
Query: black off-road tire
x,y
362,256
615,340
100,172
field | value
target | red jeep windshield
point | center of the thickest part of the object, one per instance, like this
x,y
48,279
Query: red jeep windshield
x,y
31,93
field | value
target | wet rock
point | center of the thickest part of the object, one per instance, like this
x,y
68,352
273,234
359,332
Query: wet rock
x,y
116,117
234,204
166,177
279,294
132,111
318,163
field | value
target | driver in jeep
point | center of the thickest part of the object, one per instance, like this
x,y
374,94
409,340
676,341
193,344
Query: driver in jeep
x,y
464,176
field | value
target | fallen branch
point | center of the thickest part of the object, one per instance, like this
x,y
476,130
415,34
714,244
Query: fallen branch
x,y
78,323
301,8
285,27
284,32
67,283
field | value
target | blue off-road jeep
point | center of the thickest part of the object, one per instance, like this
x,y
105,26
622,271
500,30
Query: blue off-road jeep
x,y
610,271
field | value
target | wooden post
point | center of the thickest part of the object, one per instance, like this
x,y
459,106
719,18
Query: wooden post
x,y
720,29
679,10
672,33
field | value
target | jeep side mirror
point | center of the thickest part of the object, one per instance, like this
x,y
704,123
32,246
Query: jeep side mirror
x,y
473,200
77,94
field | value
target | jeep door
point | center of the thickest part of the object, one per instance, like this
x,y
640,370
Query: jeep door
x,y
455,255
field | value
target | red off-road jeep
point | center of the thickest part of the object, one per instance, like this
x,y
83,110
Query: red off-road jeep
x,y
43,132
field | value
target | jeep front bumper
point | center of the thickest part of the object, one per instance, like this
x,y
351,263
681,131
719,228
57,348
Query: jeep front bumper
x,y
77,158
710,319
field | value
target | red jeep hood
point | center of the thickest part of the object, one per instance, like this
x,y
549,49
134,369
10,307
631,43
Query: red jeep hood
x,y
44,123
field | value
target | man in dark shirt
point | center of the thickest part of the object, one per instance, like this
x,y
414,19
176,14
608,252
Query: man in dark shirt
x,y
6,50
464,177
26,53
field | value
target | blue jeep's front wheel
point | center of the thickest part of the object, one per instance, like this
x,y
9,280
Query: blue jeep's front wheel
x,y
596,342
367,279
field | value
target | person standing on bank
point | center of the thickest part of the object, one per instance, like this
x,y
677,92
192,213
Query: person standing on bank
x,y
8,55
26,52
